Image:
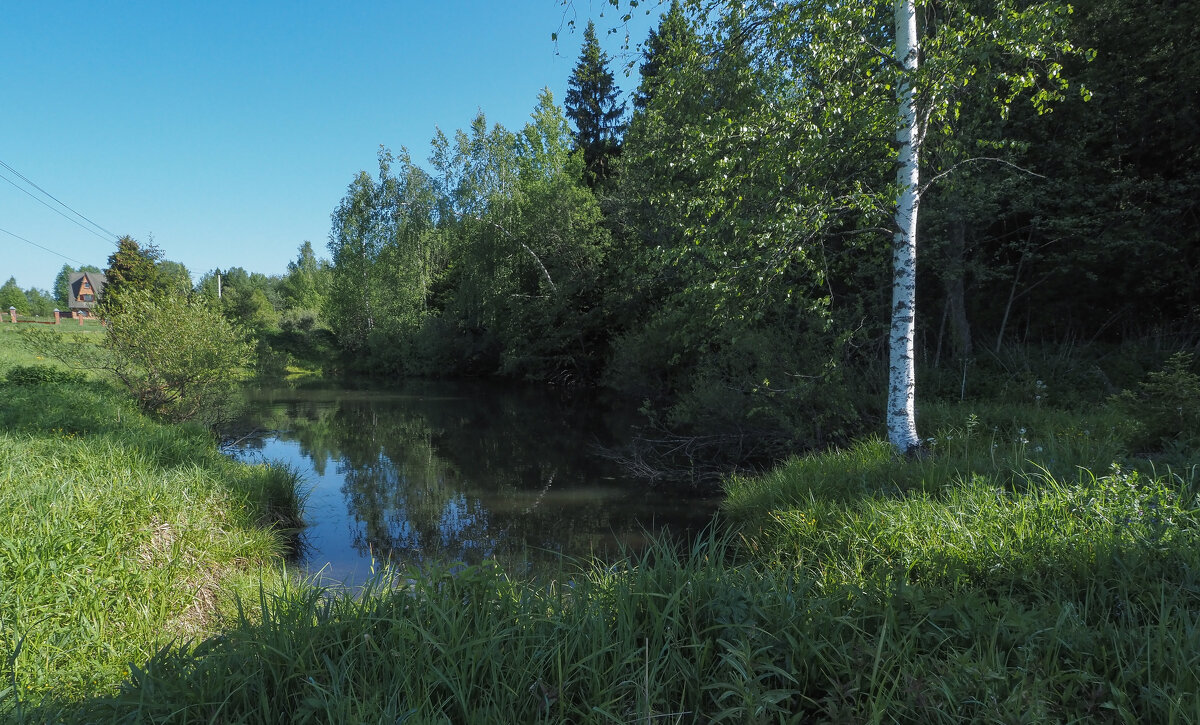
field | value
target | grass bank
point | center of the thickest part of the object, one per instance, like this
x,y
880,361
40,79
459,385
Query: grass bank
x,y
117,535
969,608
996,580
1013,575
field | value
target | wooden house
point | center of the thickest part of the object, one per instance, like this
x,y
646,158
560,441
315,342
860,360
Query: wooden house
x,y
85,291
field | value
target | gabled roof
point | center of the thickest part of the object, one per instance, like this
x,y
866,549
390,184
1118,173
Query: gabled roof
x,y
96,280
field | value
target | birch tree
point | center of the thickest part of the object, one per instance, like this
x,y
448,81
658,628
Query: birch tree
x,y
852,63
902,381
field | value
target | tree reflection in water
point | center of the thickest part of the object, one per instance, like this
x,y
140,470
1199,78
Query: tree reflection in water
x,y
459,472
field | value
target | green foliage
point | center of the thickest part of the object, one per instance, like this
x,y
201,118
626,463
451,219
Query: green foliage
x,y
173,278
674,37
178,357
11,295
39,374
592,105
41,304
247,299
1166,405
131,268
744,245
62,286
491,263
306,284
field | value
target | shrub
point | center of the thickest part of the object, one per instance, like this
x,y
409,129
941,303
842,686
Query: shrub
x,y
179,358
42,375
1165,406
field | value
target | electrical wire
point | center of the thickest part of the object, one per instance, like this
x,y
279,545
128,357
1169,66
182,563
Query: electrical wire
x,y
56,211
61,203
39,246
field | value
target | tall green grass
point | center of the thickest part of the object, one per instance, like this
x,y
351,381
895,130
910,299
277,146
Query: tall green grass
x,y
706,635
1015,574
117,535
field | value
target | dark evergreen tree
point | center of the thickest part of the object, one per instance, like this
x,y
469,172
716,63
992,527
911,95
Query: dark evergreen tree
x,y
131,267
592,105
671,43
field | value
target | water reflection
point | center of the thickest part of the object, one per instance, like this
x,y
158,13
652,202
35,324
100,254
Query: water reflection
x,y
457,472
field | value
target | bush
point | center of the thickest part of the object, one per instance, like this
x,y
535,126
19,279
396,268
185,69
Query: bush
x,y
42,375
1165,406
178,357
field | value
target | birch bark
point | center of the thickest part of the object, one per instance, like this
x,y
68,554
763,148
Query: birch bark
x,y
901,411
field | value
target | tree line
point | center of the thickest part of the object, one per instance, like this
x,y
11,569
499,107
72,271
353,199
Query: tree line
x,y
722,250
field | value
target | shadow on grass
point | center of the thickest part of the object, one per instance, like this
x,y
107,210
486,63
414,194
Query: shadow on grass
x,y
707,637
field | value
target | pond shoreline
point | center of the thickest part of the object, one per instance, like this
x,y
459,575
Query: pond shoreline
x,y
458,471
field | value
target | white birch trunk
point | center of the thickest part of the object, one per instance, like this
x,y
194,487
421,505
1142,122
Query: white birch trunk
x,y
901,412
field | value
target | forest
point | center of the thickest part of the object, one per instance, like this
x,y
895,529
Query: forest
x,y
719,249
736,251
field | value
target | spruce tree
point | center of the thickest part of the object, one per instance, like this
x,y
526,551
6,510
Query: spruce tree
x,y
592,105
131,267
674,39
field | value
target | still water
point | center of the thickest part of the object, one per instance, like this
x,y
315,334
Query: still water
x,y
457,472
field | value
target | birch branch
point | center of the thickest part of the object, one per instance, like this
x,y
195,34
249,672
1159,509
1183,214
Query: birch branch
x,y
975,159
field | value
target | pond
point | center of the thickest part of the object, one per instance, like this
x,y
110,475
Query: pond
x,y
458,472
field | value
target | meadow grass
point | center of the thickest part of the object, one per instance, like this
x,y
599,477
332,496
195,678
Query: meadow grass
x,y
117,535
1028,569
987,582
14,352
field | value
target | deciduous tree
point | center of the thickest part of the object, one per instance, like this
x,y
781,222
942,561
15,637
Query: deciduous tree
x,y
11,295
827,70
179,357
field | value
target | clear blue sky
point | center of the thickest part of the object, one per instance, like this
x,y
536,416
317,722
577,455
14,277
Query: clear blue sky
x,y
229,131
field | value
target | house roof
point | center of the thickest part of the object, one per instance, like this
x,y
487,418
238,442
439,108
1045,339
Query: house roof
x,y
96,281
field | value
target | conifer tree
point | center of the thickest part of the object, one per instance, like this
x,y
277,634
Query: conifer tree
x,y
673,39
131,267
592,105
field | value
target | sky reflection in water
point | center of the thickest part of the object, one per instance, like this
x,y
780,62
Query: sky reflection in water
x,y
458,472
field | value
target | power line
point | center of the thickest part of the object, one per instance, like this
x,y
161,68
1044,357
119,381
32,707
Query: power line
x,y
31,183
39,246
56,211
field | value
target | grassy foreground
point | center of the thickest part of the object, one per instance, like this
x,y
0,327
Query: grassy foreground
x,y
1014,575
979,585
117,535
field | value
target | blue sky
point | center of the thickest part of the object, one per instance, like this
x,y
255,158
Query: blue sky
x,y
228,131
